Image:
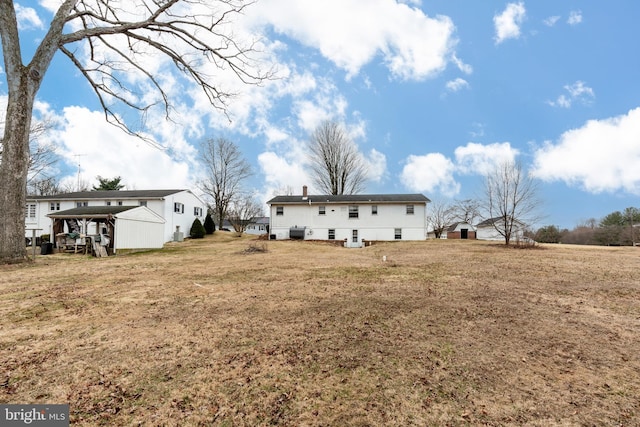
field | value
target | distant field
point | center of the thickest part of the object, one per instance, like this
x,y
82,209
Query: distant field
x,y
219,332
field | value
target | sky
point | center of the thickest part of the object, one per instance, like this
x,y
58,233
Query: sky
x,y
434,94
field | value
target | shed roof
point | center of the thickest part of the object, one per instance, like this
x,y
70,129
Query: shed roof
x,y
91,212
350,198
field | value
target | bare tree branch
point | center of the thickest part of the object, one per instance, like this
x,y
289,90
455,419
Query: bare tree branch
x,y
336,165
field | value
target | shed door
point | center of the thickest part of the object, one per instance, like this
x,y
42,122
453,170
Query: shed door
x,y
464,233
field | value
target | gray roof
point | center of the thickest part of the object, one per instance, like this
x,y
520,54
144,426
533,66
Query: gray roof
x,y
350,198
109,194
91,212
492,221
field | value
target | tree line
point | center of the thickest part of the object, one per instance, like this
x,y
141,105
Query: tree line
x,y
614,229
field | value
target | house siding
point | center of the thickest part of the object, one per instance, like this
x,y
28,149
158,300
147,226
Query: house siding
x,y
381,226
160,205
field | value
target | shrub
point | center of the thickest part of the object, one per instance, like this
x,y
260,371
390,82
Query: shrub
x,y
197,230
209,226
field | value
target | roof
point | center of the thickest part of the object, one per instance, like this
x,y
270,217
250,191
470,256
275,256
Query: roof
x,y
91,212
260,220
491,221
350,198
109,194
453,226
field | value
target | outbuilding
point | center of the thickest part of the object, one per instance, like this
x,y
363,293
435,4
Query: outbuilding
x,y
116,228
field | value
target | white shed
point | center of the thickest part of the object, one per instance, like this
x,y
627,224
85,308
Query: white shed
x,y
127,228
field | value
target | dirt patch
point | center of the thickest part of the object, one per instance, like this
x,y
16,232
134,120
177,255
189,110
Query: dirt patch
x,y
423,333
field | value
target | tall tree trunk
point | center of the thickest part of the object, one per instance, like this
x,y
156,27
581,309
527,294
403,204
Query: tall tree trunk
x,y
13,173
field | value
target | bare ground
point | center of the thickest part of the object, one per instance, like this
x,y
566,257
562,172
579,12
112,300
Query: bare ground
x,y
230,331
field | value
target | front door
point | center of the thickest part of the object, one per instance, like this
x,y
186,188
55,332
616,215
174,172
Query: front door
x,y
464,233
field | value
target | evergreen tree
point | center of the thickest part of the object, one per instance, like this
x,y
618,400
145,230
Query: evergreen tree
x,y
209,226
197,230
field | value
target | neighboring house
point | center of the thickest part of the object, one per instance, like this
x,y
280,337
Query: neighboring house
x,y
459,230
486,230
350,218
258,225
177,208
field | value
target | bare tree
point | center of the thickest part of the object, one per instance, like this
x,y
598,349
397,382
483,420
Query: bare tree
x,y
242,210
44,186
336,165
108,42
440,215
467,210
226,169
511,199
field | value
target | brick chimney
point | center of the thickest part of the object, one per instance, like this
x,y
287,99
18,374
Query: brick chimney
x,y
304,191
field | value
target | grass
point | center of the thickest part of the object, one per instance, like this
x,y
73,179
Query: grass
x,y
233,331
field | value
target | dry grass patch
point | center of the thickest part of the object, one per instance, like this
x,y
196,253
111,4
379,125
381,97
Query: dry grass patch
x,y
441,333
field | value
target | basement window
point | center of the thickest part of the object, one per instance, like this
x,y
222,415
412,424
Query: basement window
x,y
332,234
397,233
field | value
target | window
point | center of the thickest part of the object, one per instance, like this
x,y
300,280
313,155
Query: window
x,y
397,233
81,204
279,210
332,234
30,210
374,210
354,236
197,211
178,208
321,210
143,203
353,212
119,202
54,206
409,209
108,203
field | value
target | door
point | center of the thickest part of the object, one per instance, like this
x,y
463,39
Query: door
x,y
464,233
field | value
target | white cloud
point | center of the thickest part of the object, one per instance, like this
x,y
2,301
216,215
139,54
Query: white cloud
x,y
27,17
507,24
575,17
577,92
481,159
376,165
105,150
413,45
282,172
457,85
430,173
465,68
551,21
601,156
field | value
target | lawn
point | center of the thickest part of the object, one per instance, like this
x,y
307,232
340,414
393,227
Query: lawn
x,y
232,331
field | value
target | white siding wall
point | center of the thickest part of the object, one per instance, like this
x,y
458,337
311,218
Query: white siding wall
x,y
136,234
370,227
182,220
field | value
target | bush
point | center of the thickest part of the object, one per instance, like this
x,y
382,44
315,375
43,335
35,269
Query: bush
x,y
197,230
209,226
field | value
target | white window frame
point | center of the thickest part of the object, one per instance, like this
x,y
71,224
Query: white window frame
x,y
354,211
410,209
279,210
331,234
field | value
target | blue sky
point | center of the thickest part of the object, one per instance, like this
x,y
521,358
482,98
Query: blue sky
x,y
434,93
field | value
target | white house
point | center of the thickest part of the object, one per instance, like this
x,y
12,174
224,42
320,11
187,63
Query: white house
x,y
486,230
351,218
177,208
258,225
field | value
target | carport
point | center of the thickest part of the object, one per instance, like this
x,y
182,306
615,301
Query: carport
x,y
106,230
